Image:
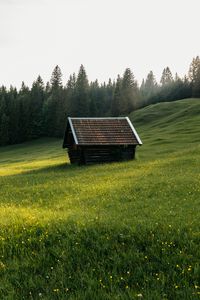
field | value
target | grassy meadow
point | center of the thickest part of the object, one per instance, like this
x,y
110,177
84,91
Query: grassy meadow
x,y
128,230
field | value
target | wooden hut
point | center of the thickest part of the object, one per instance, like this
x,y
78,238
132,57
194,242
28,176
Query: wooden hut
x,y
99,140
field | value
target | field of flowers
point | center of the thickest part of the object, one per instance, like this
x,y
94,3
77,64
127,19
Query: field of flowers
x,y
126,230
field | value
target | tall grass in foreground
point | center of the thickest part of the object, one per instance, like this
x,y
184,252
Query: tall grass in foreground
x,y
115,231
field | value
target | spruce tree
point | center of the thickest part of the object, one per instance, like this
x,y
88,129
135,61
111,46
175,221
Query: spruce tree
x,y
2,104
148,88
36,106
194,76
13,116
53,107
129,91
81,99
70,95
110,88
95,107
56,78
24,113
150,83
117,99
4,130
166,77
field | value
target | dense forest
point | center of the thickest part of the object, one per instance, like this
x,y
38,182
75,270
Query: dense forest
x,y
42,110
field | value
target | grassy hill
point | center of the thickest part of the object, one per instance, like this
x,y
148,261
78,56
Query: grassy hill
x,y
116,231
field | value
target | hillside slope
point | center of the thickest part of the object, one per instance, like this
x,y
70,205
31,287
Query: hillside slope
x,y
168,126
126,230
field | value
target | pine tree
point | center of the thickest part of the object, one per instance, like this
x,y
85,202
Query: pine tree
x,y
150,83
142,87
166,77
81,99
70,95
57,102
95,99
4,130
117,99
36,106
56,78
194,76
2,104
110,88
129,92
148,88
13,116
54,105
24,113
163,78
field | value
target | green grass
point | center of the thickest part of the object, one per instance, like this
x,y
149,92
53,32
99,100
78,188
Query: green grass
x,y
126,230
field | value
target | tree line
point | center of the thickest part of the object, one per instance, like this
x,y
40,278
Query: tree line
x,y
42,110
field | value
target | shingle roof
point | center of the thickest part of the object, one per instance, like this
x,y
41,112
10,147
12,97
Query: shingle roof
x,y
103,131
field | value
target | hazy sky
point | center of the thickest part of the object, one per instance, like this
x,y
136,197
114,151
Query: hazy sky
x,y
106,36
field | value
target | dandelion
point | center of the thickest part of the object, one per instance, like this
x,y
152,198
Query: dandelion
x,y
2,265
139,295
56,290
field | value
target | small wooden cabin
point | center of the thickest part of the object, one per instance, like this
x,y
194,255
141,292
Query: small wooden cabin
x,y
99,140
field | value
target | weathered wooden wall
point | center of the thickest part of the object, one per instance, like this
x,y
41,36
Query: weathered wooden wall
x,y
100,154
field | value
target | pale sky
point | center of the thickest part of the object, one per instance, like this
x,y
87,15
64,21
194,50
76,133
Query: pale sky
x,y
106,36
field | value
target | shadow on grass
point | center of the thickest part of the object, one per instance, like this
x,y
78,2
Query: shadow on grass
x,y
62,167
66,166
55,168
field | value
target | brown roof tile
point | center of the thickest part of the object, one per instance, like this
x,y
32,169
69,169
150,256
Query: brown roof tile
x,y
103,131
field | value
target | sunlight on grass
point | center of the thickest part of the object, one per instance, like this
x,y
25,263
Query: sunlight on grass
x,y
112,231
13,215
19,168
